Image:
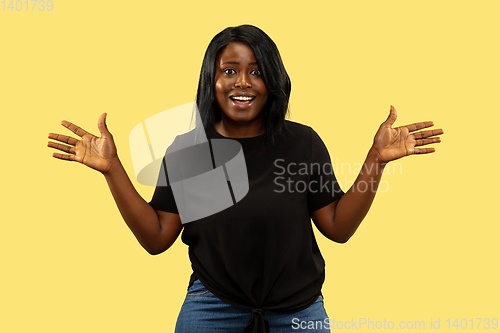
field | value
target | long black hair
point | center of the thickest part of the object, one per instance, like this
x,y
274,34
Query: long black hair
x,y
272,71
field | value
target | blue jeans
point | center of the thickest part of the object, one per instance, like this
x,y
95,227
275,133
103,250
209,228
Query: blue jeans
x,y
202,312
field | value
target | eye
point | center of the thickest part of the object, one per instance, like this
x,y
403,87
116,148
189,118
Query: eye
x,y
255,72
229,71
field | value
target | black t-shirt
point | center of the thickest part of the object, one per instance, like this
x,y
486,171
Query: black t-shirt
x,y
261,252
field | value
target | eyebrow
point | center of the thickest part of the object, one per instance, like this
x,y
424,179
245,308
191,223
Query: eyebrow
x,y
237,63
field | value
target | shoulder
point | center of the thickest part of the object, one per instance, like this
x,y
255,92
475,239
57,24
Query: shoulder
x,y
297,131
298,139
191,138
297,127
304,137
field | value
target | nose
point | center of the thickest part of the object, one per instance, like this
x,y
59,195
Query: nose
x,y
242,81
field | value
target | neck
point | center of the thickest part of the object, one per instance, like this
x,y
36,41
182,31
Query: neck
x,y
232,129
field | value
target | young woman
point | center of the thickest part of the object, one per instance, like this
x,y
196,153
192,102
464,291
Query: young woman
x,y
256,265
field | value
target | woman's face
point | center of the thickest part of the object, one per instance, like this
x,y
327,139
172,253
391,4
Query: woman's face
x,y
239,88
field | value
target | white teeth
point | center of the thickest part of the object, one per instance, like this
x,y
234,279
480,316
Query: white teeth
x,y
242,98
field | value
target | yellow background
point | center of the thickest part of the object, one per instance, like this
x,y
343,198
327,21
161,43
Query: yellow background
x,y
428,248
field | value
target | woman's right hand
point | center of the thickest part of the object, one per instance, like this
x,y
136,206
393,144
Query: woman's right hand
x,y
96,153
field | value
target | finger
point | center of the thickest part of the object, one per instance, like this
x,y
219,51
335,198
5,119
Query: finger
x,y
64,157
418,126
427,141
101,124
391,119
426,134
420,151
63,138
73,128
64,148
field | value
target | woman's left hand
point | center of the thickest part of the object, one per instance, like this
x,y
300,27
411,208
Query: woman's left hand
x,y
393,143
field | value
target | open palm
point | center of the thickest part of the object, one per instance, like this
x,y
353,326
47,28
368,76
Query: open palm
x,y
393,143
95,152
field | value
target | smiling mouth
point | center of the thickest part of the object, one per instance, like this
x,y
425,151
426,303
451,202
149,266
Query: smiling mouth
x,y
242,100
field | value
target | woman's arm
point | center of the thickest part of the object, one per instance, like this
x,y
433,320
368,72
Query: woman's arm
x,y
339,220
155,230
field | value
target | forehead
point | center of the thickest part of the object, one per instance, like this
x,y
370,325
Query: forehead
x,y
236,52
